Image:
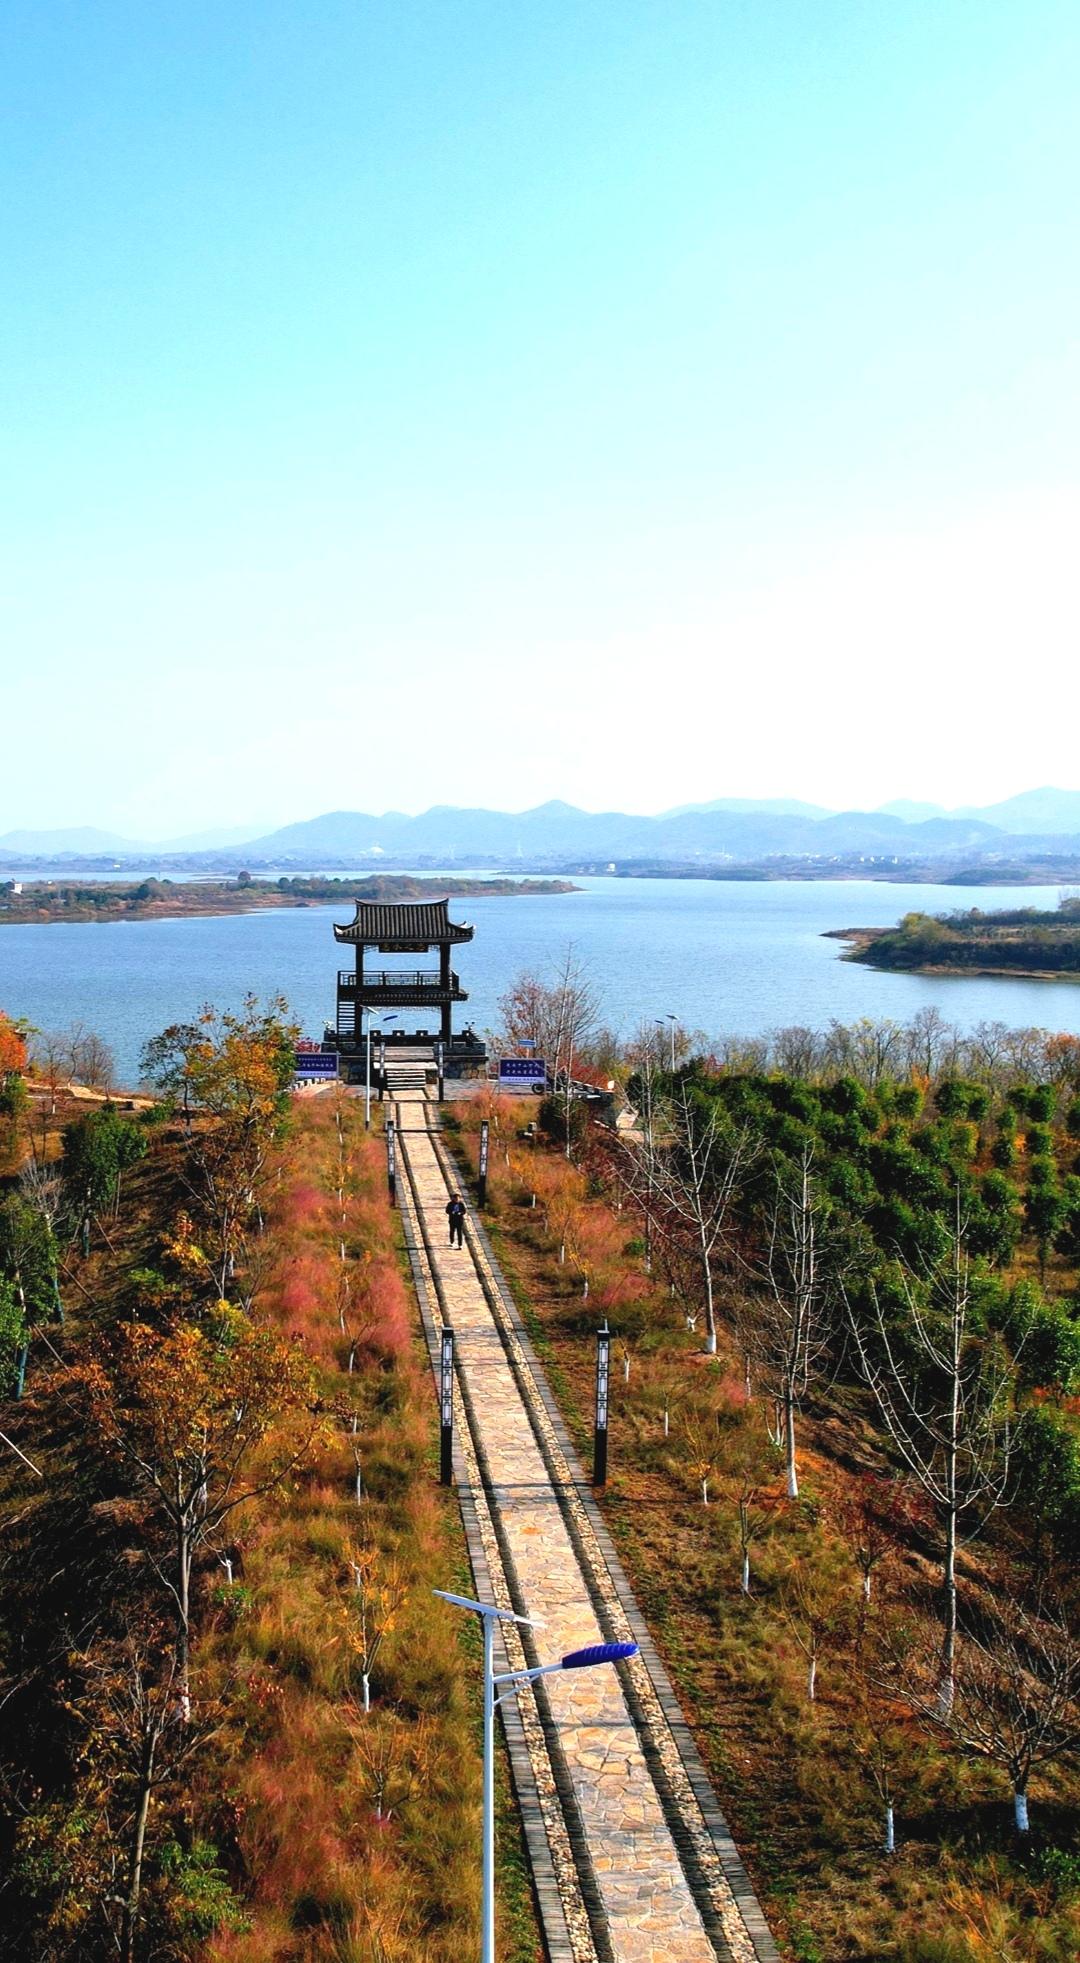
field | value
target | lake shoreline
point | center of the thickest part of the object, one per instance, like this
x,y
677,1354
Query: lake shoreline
x,y
194,902
861,941
731,961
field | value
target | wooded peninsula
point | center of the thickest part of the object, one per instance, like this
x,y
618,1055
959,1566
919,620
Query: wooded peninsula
x,y
166,899
1013,941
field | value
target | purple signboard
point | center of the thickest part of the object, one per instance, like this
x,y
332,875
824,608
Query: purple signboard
x,y
316,1063
522,1073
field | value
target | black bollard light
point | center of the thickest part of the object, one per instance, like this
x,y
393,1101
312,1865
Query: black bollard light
x,y
446,1410
603,1372
391,1161
482,1178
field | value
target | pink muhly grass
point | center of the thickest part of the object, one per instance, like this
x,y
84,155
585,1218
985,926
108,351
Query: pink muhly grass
x,y
302,1205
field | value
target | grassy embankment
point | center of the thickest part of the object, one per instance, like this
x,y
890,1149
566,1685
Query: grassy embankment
x,y
798,1779
324,1831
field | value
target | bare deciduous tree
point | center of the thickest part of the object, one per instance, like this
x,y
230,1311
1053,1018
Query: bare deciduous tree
x,y
794,1319
689,1181
942,1407
51,1053
91,1059
557,1018
745,1489
1016,1695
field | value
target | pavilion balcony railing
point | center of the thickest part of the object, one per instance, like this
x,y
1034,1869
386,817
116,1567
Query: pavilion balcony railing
x,y
352,1039
349,983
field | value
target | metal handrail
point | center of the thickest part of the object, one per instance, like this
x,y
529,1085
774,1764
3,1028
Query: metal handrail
x,y
349,982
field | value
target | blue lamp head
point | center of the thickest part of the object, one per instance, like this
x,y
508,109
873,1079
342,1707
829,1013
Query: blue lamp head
x,y
583,1659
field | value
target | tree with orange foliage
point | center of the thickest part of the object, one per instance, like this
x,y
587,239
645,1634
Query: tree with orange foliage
x,y
12,1048
235,1070
13,1037
191,1412
375,1600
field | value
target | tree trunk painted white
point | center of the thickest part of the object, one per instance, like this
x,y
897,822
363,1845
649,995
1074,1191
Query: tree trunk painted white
x,y
890,1831
365,1682
352,1359
745,1572
226,1562
562,1252
1020,1811
789,1447
359,1483
947,1684
704,1492
866,1584
667,1422
585,1289
710,1311
626,1370
811,1678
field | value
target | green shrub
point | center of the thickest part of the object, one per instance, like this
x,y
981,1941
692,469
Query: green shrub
x,y
199,1899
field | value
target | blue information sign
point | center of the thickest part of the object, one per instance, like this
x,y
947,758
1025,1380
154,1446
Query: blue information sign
x,y
316,1063
523,1072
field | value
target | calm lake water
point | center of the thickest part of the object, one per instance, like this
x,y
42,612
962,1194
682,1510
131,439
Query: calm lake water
x,y
725,958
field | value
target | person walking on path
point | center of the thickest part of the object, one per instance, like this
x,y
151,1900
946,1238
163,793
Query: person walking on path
x,y
455,1213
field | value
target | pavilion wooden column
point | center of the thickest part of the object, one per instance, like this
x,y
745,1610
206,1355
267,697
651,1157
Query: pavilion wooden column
x,y
445,1025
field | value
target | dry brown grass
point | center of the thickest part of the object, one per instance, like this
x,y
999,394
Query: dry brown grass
x,y
292,1793
791,1775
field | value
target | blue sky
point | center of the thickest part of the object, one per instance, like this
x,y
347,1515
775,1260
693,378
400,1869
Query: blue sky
x,y
472,403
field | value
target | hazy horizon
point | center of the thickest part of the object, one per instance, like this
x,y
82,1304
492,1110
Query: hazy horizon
x,y
195,841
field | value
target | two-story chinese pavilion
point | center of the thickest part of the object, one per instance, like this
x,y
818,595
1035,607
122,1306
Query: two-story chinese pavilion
x,y
396,928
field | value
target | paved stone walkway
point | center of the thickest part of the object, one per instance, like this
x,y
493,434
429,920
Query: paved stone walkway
x,y
655,1896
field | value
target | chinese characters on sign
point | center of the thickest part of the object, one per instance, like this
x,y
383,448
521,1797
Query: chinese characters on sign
x,y
523,1073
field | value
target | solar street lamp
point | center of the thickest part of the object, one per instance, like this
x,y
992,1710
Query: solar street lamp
x,y
504,1682
380,1018
674,1021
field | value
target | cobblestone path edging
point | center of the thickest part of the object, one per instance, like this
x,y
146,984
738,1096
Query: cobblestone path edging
x,y
631,1775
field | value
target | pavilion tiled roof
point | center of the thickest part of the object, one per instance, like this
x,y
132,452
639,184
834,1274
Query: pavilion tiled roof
x,y
412,922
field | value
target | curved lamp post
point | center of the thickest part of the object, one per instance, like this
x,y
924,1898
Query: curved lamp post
x,y
506,1680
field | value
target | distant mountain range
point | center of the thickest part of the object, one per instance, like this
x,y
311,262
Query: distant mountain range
x,y
726,829
1031,814
88,841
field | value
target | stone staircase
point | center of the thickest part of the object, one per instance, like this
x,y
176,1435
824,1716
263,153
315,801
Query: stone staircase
x,y
405,1075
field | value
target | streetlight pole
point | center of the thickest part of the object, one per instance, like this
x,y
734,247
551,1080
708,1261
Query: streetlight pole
x,y
578,1659
673,1020
380,1019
